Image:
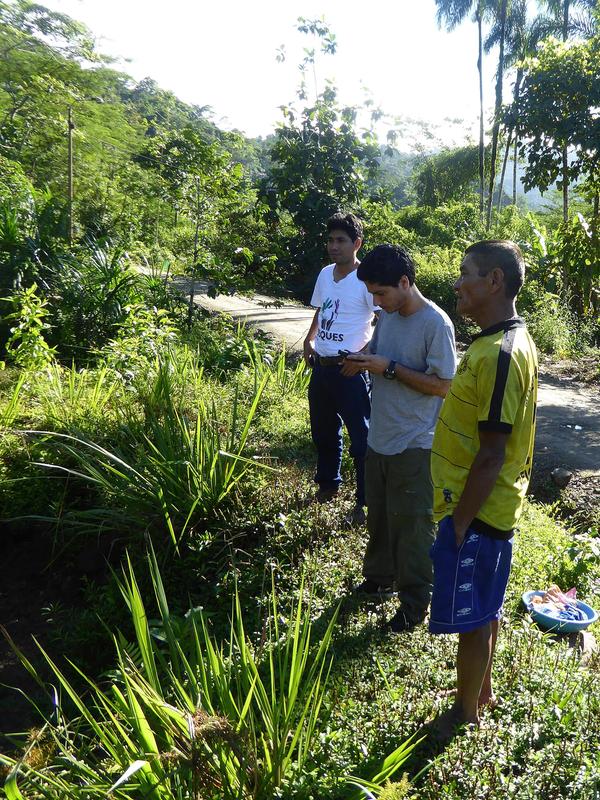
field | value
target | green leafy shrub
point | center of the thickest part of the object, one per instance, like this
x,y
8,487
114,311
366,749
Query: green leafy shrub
x,y
92,293
31,236
451,225
26,345
437,272
144,335
15,188
383,226
515,224
544,555
548,320
400,790
564,258
223,345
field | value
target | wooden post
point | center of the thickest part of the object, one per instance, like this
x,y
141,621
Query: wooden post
x,y
195,264
70,175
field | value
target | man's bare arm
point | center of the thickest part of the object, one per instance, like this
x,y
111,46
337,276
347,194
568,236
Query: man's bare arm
x,y
309,350
422,381
419,381
482,478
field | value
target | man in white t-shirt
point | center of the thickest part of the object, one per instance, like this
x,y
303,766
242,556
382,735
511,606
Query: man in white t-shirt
x,y
342,322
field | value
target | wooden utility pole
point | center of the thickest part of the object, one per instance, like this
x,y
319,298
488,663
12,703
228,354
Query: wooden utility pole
x,y
195,261
70,174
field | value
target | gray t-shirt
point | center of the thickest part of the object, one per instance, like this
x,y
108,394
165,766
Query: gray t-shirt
x,y
401,417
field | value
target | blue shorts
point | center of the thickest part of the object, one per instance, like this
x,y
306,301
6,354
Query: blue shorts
x,y
468,582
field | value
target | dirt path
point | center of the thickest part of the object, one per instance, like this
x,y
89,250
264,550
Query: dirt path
x,y
568,432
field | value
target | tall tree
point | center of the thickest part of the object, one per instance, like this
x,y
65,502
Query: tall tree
x,y
452,13
319,163
564,23
499,9
520,38
448,175
558,108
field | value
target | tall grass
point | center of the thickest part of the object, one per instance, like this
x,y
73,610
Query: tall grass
x,y
174,470
288,379
11,408
67,395
184,716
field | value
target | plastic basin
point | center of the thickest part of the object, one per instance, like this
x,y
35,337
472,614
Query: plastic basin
x,y
558,625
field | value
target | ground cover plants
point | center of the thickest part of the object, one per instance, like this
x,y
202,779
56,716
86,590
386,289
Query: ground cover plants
x,y
180,702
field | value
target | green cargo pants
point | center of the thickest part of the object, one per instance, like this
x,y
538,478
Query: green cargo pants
x,y
400,525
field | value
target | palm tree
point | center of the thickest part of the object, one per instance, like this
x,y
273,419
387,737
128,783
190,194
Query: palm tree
x,y
452,13
499,10
520,40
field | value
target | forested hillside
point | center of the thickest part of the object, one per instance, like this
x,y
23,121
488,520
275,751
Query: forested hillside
x,y
88,154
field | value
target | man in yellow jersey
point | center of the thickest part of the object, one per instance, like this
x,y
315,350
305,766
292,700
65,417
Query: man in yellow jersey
x,y
481,463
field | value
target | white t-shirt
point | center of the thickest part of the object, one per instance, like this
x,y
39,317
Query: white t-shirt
x,y
346,312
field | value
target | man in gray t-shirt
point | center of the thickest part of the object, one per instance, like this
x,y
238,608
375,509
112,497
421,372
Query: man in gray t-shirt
x,y
412,360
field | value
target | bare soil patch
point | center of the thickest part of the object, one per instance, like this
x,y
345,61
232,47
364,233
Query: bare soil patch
x,y
584,369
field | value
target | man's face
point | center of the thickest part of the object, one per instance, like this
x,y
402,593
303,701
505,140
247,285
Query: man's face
x,y
342,250
390,298
472,289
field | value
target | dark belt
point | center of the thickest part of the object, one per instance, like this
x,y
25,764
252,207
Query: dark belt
x,y
330,361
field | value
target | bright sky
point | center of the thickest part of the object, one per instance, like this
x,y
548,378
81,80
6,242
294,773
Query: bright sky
x,y
222,53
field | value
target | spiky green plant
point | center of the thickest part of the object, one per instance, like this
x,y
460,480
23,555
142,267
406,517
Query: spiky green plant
x,y
289,379
185,716
66,394
11,406
173,471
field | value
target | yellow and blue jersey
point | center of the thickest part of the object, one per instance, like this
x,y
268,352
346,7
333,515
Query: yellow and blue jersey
x,y
494,389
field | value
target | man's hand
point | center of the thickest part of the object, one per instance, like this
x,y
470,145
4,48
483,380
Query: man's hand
x,y
375,364
309,352
460,531
350,368
481,479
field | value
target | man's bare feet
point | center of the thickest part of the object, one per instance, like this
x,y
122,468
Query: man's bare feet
x,y
488,701
446,725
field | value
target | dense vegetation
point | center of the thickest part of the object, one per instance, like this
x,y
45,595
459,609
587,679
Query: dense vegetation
x,y
221,656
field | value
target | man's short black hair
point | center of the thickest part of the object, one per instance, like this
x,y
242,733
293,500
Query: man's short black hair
x,y
385,265
504,254
349,223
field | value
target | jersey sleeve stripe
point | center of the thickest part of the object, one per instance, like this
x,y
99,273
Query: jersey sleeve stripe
x,y
502,368
495,426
